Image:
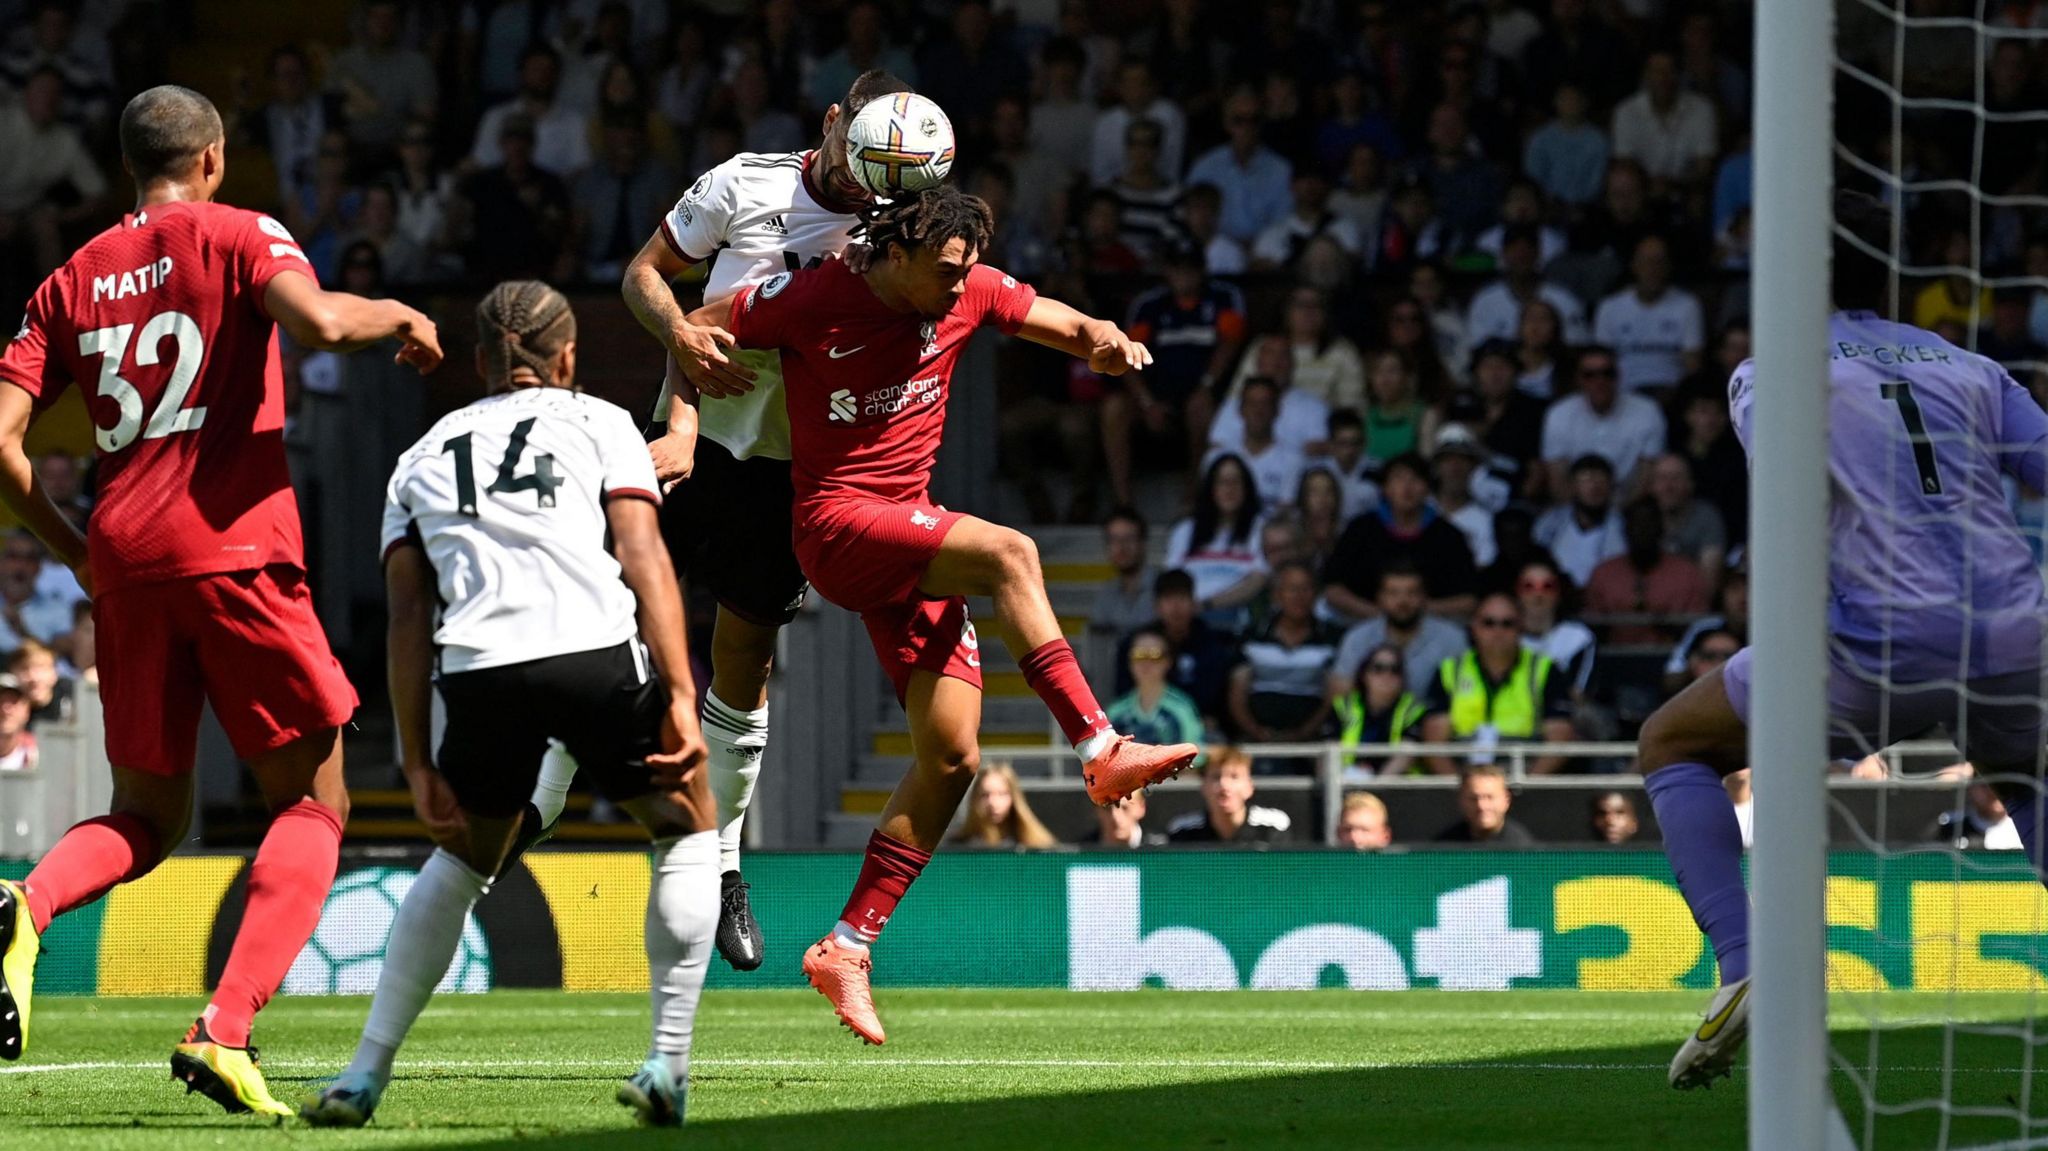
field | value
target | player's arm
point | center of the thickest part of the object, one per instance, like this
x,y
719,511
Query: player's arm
x,y
341,322
644,562
2022,436
410,596
1104,345
698,346
22,490
675,452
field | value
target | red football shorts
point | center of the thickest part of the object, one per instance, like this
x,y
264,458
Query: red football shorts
x,y
868,557
246,641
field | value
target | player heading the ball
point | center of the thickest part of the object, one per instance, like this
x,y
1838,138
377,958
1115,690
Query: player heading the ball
x,y
867,362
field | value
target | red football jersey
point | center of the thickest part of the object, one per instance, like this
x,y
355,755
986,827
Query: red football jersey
x,y
866,384
161,319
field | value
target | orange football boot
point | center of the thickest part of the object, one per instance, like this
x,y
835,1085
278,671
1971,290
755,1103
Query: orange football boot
x,y
1129,766
840,973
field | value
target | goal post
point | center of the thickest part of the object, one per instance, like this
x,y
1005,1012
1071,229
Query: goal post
x,y
1789,1103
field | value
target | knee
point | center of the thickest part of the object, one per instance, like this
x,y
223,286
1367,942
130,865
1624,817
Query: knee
x,y
956,764
1017,555
1665,740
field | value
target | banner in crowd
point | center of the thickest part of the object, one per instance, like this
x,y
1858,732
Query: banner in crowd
x,y
1191,920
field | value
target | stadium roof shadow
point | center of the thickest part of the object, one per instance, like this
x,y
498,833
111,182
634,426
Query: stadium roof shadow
x,y
1606,1099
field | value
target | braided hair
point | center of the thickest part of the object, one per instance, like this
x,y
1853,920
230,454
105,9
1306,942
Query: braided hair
x,y
931,217
523,323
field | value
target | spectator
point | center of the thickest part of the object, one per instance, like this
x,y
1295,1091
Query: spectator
x,y
512,218
1507,421
967,70
1497,692
512,27
1303,420
1405,526
1550,624
1378,708
51,695
1671,132
1195,327
1228,815
1720,467
1509,30
1124,601
1350,464
63,479
1146,198
1276,466
1280,541
1063,115
18,751
1622,428
998,815
423,193
29,608
1219,545
399,259
1522,207
864,47
1584,532
1734,186
615,198
1692,528
1408,332
1121,826
54,42
1496,310
1462,182
1282,242
1466,494
49,182
327,208
1154,707
1514,543
1319,504
1326,365
1138,97
1705,70
1655,328
560,144
685,88
764,127
1959,296
1979,823
1732,617
1280,693
1614,819
1579,47
1353,123
1253,179
1567,157
1399,619
362,274
1038,179
1705,649
1361,194
84,648
1185,51
1202,215
382,85
1483,802
1646,580
1362,823
1446,318
1409,231
1100,250
289,126
1539,348
1397,421
1203,656
623,98
2008,343
1607,234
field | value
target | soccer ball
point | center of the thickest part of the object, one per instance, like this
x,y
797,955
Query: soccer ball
x,y
346,953
899,143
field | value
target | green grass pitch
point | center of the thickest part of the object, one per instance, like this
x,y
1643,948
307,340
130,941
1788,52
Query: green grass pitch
x,y
1025,1069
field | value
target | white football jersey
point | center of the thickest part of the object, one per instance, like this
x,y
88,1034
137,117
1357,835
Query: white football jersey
x,y
752,217
507,497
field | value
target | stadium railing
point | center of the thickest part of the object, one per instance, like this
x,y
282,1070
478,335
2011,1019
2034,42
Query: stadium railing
x,y
70,781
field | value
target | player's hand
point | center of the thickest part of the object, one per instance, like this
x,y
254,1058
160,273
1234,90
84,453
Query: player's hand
x,y
859,258
675,457
700,352
682,745
433,800
421,344
1115,353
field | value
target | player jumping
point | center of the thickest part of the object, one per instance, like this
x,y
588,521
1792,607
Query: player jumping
x,y
866,361
1935,605
753,216
544,648
195,556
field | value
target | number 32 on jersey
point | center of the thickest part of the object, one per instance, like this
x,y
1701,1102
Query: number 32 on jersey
x,y
171,414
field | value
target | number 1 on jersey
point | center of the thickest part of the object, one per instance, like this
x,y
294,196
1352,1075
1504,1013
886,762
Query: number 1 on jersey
x,y
1901,393
542,481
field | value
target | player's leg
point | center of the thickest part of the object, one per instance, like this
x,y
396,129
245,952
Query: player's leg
x,y
980,558
735,720
2002,723
945,717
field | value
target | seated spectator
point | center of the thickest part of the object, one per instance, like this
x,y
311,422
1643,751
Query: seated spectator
x,y
423,193
1038,179
63,478
1646,580
560,144
381,84
289,125
1362,823
1228,815
1408,332
1137,94
1613,818
1550,626
1319,506
1624,428
1507,420
1121,826
1514,544
1539,349
864,46
998,815
687,83
1098,249
50,181
1980,823
18,751
1348,462
1397,421
1195,328
512,219
1280,693
1361,195
1403,526
1483,802
1146,198
1672,133
1276,465
1731,615
1567,156
1459,482
1201,210
50,693
81,646
1655,329
2008,343
1219,544
329,207
764,126
614,199
1957,298
29,608
1323,365
1154,706
55,40
1123,602
1203,656
1399,618
1496,310
1705,650
1692,527
1720,468
1253,179
1584,532
1378,708
1522,207
1427,288
399,260
1497,692
1308,217
1464,184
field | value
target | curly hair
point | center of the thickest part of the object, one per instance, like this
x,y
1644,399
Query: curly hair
x,y
523,323
933,216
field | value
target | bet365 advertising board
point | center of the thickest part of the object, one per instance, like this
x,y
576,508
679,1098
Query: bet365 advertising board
x,y
1196,920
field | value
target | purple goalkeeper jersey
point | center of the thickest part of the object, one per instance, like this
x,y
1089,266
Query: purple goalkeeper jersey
x,y
1929,576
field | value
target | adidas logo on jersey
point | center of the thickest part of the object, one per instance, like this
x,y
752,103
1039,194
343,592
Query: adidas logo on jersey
x,y
777,225
844,406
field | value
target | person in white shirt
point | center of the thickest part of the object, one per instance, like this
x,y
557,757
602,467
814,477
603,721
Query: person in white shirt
x,y
561,139
1276,466
1303,419
1349,463
1496,309
1458,466
1548,628
1672,133
1600,419
1655,329
1585,531
1523,204
1283,241
1137,96
1201,210
1219,545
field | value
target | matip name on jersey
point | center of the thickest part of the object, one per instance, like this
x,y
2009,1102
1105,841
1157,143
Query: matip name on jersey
x,y
120,286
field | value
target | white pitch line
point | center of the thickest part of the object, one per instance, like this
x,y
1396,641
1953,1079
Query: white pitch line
x,y
432,1065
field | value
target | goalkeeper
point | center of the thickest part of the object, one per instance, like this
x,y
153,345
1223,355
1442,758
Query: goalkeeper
x,y
1934,608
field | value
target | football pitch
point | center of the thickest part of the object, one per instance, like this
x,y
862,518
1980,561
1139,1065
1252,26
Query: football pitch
x,y
1003,1069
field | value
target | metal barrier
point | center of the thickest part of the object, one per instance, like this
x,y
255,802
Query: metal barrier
x,y
70,782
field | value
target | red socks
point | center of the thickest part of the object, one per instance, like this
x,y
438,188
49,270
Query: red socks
x,y
88,862
287,888
1054,673
887,872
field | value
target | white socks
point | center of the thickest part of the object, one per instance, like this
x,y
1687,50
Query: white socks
x,y
551,790
424,935
682,917
1095,745
849,936
735,741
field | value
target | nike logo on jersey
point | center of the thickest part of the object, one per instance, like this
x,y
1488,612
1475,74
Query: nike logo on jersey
x,y
836,354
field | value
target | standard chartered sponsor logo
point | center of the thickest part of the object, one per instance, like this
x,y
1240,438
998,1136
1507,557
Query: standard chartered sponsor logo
x,y
844,408
889,401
